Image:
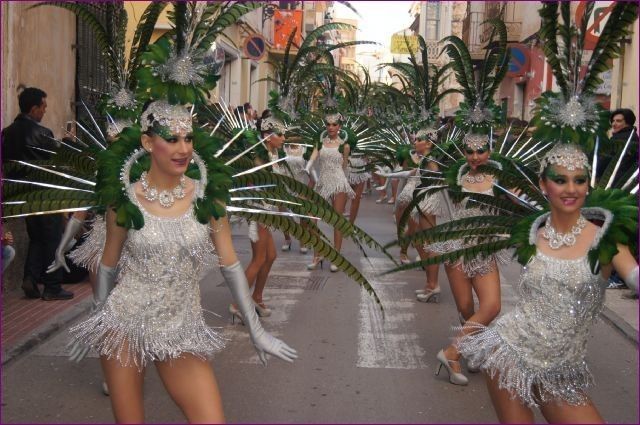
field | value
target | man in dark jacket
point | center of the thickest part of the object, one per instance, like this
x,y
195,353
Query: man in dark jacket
x,y
26,139
622,128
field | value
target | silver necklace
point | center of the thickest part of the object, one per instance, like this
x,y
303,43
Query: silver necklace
x,y
166,198
475,178
557,239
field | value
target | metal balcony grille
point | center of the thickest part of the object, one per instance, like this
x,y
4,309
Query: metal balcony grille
x,y
92,73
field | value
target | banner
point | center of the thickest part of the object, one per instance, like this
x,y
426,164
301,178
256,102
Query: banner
x,y
284,21
399,45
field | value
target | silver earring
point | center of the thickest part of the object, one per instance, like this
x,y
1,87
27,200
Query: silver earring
x,y
544,192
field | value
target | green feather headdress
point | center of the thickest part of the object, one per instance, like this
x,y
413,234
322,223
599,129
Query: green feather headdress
x,y
573,115
478,113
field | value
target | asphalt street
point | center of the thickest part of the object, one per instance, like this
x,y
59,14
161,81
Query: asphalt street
x,y
355,364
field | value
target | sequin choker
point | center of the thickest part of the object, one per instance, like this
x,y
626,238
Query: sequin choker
x,y
166,198
557,239
474,178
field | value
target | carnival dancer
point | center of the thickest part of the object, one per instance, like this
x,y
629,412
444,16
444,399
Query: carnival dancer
x,y
535,355
295,168
263,250
332,154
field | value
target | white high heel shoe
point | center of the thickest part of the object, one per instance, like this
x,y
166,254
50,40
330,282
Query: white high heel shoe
x,y
262,310
333,268
304,250
314,265
105,388
235,314
286,246
426,296
455,378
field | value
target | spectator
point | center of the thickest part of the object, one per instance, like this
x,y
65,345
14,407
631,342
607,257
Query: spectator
x,y
26,139
8,253
622,127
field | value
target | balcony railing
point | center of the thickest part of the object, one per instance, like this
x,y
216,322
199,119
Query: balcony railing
x,y
514,27
471,34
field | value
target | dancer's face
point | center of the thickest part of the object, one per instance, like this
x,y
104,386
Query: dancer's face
x,y
422,146
170,154
476,157
333,129
276,140
566,190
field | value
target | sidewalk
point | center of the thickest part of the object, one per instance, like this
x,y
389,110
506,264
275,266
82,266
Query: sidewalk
x,y
27,322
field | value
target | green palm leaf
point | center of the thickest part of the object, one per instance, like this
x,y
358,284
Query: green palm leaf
x,y
312,241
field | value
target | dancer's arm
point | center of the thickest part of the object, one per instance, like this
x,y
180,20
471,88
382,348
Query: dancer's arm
x,y
626,266
71,229
233,273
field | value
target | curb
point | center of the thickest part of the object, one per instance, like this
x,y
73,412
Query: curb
x,y
619,324
41,334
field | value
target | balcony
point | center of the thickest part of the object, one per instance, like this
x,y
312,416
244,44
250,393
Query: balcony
x,y
472,33
514,26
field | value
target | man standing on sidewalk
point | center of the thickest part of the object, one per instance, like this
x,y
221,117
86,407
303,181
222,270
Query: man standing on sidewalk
x,y
25,139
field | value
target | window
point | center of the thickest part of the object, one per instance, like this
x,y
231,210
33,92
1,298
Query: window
x,y
432,22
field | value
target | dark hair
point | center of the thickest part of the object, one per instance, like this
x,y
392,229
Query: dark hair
x,y
629,116
265,114
247,106
29,98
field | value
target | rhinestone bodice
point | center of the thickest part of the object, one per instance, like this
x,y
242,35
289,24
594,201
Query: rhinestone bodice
x,y
559,301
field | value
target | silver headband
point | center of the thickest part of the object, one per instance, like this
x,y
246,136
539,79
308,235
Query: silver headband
x,y
565,155
115,127
175,117
475,141
272,124
334,118
430,134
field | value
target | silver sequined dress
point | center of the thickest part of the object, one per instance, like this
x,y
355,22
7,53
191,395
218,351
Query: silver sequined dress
x,y
480,264
542,341
356,169
296,162
154,312
331,176
90,253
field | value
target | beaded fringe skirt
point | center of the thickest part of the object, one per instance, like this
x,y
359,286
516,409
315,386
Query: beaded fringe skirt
x,y
485,348
136,341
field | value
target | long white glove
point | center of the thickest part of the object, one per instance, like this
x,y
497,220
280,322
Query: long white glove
x,y
632,280
104,286
66,243
262,340
398,174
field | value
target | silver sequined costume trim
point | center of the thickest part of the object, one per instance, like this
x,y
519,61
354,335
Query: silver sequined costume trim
x,y
154,313
478,265
542,341
331,176
406,195
89,254
430,205
356,169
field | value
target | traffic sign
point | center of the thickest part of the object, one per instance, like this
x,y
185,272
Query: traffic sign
x,y
254,47
519,61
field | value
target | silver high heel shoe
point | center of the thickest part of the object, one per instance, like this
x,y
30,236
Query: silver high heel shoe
x,y
105,388
286,246
314,265
455,378
235,314
433,294
304,250
333,268
262,310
